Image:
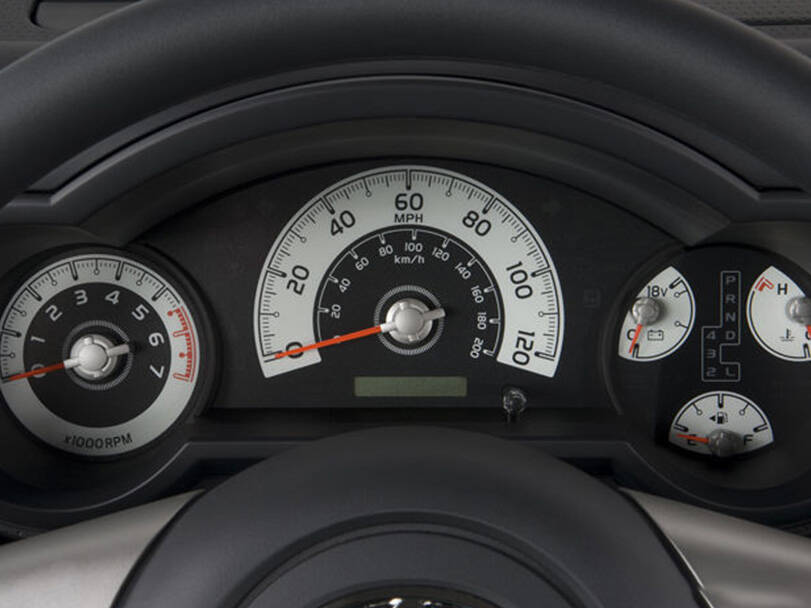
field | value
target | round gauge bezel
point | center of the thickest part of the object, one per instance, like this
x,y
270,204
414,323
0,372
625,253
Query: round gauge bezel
x,y
206,339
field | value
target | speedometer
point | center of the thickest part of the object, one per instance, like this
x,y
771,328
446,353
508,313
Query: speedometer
x,y
425,264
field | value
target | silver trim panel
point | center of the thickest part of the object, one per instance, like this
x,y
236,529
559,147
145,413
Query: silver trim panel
x,y
82,566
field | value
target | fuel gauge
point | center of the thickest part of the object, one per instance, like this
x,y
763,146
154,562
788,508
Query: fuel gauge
x,y
779,315
721,424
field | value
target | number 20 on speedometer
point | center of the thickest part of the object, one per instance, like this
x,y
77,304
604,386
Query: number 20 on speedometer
x,y
413,266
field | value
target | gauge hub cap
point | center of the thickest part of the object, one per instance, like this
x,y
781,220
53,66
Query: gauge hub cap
x,y
91,352
407,315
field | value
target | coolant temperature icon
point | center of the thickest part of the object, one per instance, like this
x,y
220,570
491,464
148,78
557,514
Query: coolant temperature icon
x,y
779,315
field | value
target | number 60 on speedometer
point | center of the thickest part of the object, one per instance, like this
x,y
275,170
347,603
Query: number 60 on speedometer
x,y
413,270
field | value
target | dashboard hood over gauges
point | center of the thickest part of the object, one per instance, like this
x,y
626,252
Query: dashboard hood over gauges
x,y
215,192
689,61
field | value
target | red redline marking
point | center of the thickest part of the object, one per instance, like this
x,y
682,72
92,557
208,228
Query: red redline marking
x,y
635,338
695,438
332,341
190,353
36,372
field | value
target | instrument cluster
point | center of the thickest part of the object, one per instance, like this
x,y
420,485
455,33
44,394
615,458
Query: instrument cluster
x,y
412,292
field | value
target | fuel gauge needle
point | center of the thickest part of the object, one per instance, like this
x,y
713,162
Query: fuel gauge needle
x,y
403,323
695,438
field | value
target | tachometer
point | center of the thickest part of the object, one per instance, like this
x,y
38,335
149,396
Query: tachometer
x,y
428,261
99,354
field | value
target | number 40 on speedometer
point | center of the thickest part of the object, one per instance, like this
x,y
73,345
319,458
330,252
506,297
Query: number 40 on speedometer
x,y
410,267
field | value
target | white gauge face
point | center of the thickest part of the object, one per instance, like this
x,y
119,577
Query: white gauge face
x,y
99,354
410,232
660,319
721,423
775,316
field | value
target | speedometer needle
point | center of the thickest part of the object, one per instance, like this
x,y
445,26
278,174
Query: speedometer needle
x,y
400,323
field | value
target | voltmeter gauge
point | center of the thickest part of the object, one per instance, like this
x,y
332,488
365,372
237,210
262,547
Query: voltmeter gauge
x,y
659,320
722,424
779,315
99,354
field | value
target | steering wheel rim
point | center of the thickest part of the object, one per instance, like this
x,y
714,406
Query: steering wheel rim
x,y
101,78
311,526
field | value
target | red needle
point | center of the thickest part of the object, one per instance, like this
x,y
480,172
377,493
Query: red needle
x,y
693,438
36,372
636,337
337,340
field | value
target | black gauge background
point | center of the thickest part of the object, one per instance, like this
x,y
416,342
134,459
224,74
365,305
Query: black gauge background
x,y
63,392
594,245
35,475
652,393
448,356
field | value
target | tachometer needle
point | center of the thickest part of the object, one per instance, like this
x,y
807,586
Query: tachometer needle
x,y
87,357
430,315
636,337
695,438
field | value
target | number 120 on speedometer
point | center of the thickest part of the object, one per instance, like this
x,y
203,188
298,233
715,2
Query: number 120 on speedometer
x,y
410,268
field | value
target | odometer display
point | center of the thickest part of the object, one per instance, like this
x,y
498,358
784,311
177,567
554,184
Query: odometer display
x,y
386,246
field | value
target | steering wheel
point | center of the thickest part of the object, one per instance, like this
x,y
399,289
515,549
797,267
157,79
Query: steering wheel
x,y
457,519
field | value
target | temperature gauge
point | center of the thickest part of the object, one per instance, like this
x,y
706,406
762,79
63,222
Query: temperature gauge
x,y
779,315
721,424
659,319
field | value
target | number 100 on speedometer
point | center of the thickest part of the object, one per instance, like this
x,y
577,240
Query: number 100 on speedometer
x,y
408,270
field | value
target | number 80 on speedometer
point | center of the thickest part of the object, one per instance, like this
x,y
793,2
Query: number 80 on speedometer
x,y
419,269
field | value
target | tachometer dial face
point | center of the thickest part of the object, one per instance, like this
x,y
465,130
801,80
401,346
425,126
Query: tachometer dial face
x,y
428,259
722,424
779,315
99,354
660,318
